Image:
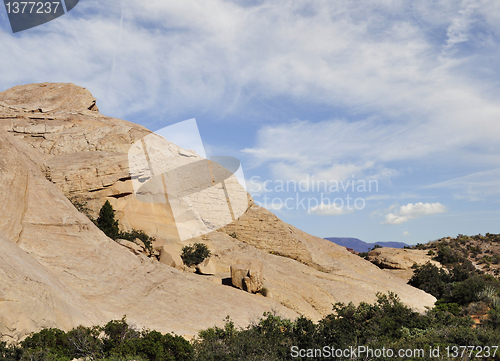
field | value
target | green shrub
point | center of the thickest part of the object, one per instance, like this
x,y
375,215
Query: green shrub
x,y
386,323
82,207
84,342
463,271
116,341
47,343
453,308
430,279
195,254
134,234
106,221
466,291
10,353
447,256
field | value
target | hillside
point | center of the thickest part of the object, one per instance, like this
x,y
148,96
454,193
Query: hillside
x,y
60,270
483,251
360,246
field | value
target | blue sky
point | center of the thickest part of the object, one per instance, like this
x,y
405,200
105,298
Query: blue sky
x,y
402,93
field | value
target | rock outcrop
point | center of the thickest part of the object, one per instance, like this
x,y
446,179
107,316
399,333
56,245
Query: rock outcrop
x,y
55,146
207,267
396,258
170,257
247,274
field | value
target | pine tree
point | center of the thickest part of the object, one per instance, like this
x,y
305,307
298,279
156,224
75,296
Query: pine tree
x,y
106,221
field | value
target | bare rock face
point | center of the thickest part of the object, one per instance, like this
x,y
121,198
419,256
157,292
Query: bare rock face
x,y
402,259
247,274
207,267
58,270
31,297
170,257
132,246
262,229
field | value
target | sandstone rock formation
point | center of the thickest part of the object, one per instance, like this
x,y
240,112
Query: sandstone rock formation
x,y
207,267
170,257
396,258
247,274
55,146
132,246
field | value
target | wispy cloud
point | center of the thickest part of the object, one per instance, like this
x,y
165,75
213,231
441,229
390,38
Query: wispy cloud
x,y
460,27
217,56
473,187
331,209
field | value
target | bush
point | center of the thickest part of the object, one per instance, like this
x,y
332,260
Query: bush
x,y
466,291
430,279
106,221
195,254
386,323
461,272
82,207
447,256
116,341
134,234
49,341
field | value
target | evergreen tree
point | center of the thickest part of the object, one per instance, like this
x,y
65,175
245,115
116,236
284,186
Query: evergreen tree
x,y
106,221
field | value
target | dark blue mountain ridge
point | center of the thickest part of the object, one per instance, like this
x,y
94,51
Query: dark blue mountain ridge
x,y
360,246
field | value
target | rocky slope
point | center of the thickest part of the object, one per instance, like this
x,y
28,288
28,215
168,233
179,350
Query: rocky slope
x,y
400,259
59,270
483,251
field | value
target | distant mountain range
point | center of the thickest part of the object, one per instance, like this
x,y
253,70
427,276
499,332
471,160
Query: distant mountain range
x,y
360,246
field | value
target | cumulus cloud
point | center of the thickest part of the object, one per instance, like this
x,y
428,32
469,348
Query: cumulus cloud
x,y
412,211
406,233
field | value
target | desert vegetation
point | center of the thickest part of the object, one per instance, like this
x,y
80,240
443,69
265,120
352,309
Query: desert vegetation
x,y
194,254
483,251
107,223
386,323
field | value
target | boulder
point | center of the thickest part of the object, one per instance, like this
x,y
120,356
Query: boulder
x,y
170,257
207,267
246,274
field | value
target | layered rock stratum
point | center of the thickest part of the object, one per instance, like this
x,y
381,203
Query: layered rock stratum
x,y
399,259
57,269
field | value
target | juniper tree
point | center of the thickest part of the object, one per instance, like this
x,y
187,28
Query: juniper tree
x,y
106,221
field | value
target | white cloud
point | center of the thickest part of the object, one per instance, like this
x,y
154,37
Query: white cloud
x,y
406,233
381,197
458,31
412,211
331,209
217,56
375,61
472,187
